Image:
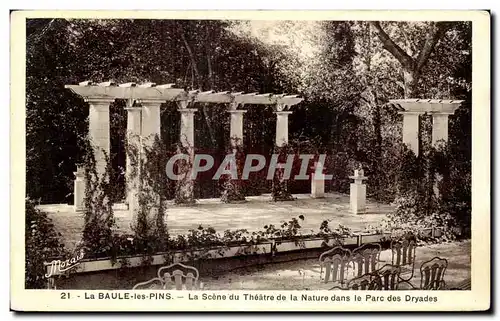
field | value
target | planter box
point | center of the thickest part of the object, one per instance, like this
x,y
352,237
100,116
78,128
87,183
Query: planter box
x,y
351,240
287,246
427,232
216,253
178,257
369,238
458,230
436,232
317,243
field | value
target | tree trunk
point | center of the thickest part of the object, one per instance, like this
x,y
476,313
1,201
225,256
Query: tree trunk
x,y
198,84
192,58
412,67
411,78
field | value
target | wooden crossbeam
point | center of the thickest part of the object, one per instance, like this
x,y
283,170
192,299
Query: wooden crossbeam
x,y
106,84
206,92
147,85
115,92
426,105
165,86
86,83
128,84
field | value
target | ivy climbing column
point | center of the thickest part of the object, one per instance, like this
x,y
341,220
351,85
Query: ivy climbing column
x,y
133,153
185,186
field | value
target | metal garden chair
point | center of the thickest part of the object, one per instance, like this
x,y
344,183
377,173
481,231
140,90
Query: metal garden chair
x,y
389,275
177,276
432,274
403,255
335,263
365,258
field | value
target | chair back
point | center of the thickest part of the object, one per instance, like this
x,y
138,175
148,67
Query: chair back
x,y
153,284
335,263
403,252
389,276
365,258
366,282
175,276
432,274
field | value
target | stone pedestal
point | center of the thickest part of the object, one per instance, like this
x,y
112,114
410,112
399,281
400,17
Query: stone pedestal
x,y
411,130
99,131
358,193
236,129
282,127
79,190
318,181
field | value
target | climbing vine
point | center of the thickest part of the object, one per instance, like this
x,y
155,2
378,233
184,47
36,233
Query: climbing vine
x,y
232,187
97,238
148,197
280,190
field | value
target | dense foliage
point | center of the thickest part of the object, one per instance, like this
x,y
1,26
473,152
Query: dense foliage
x,y
42,245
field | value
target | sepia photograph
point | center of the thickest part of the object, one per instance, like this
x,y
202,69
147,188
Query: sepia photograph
x,y
209,155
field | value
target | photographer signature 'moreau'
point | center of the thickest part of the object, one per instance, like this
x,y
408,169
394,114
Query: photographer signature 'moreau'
x,y
57,266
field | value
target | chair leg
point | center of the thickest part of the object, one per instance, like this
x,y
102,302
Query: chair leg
x,y
407,282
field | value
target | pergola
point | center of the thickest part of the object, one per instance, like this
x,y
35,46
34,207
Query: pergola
x,y
411,109
144,121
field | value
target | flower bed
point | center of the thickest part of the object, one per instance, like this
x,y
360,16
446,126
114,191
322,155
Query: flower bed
x,y
266,248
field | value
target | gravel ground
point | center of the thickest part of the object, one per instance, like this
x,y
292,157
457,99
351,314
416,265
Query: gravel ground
x,y
304,274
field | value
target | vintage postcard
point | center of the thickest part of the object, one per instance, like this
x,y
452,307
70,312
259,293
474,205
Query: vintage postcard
x,y
250,161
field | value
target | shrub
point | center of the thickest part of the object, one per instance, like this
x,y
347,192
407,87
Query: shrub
x,y
42,245
419,204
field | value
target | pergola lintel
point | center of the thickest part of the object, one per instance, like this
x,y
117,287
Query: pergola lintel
x,y
429,106
149,92
116,92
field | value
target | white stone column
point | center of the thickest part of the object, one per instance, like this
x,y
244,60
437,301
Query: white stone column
x,y
187,141
236,127
439,134
151,121
133,140
79,189
282,127
99,131
358,193
411,130
187,127
439,128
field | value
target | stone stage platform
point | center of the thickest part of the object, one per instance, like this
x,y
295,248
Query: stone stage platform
x,y
251,215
